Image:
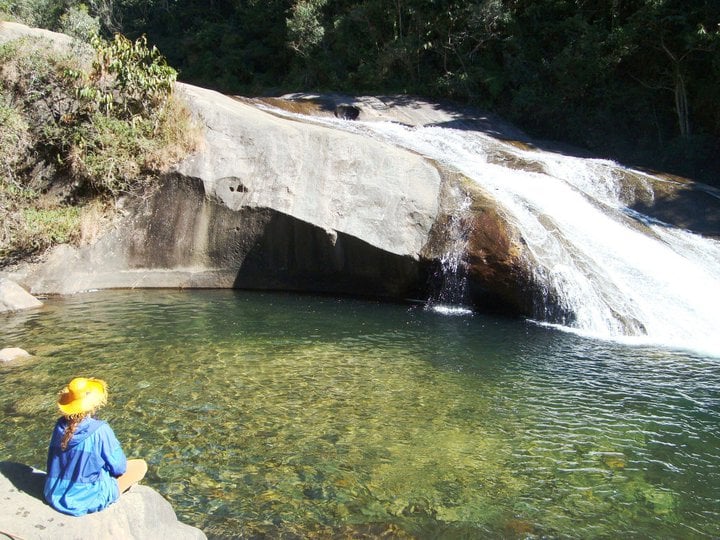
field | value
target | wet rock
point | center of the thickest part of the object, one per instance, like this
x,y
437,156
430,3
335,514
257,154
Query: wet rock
x,y
347,112
140,513
9,354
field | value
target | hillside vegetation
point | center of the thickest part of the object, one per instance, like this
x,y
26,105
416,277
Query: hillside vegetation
x,y
80,128
637,80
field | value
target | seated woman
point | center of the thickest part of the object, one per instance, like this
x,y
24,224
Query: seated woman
x,y
86,467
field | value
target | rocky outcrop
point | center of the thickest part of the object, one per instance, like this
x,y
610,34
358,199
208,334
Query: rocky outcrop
x,y
14,298
271,202
267,203
139,514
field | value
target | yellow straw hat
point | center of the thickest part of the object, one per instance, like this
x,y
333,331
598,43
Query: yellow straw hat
x,y
82,395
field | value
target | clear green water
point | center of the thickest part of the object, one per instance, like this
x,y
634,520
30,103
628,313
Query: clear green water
x,y
281,416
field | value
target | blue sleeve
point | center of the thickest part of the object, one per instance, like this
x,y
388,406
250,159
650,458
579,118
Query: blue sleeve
x,y
111,451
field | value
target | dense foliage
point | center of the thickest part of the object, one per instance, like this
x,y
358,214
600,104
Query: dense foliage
x,y
638,80
80,127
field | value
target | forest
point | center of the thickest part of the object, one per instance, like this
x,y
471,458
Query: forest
x,y
637,81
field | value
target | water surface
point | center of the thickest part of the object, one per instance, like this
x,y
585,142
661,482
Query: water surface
x,y
274,415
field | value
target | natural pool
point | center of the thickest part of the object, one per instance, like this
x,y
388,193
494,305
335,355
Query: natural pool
x,y
276,415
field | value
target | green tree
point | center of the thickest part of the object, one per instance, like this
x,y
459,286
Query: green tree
x,y
675,44
305,29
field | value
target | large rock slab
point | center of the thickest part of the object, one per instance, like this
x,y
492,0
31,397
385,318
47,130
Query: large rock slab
x,y
275,201
140,514
335,180
14,298
267,202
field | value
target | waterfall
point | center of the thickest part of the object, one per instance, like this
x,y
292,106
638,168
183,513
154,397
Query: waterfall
x,y
618,274
449,296
602,269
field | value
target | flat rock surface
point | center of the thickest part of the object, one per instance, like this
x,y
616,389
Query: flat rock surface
x,y
141,513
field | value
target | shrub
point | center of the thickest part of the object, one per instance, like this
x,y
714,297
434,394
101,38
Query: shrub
x,y
117,156
97,128
111,125
14,139
45,227
78,23
33,78
132,126
128,79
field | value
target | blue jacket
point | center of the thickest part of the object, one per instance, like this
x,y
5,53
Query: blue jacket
x,y
80,479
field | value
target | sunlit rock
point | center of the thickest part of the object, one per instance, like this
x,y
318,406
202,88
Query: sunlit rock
x,y
267,203
11,30
14,298
139,514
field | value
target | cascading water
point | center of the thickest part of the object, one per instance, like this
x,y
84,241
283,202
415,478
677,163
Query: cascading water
x,y
603,270
450,295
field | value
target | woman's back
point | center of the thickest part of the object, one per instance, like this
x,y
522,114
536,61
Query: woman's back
x,y
80,478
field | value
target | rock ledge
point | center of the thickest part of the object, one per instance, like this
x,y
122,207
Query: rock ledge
x,y
141,513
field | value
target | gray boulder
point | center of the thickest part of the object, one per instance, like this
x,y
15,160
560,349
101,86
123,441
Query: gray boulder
x,y
269,202
14,298
140,514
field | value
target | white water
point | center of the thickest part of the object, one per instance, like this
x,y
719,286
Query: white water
x,y
620,275
450,298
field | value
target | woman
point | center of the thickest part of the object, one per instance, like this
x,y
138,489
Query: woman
x,y
86,468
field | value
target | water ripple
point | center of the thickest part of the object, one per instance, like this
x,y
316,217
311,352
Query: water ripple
x,y
296,416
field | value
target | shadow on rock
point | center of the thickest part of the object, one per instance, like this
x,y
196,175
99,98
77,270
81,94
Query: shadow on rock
x,y
24,478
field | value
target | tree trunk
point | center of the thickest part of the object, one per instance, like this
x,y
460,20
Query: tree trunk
x,y
681,104
681,99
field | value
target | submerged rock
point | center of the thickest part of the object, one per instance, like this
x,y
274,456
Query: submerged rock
x,y
9,354
140,513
